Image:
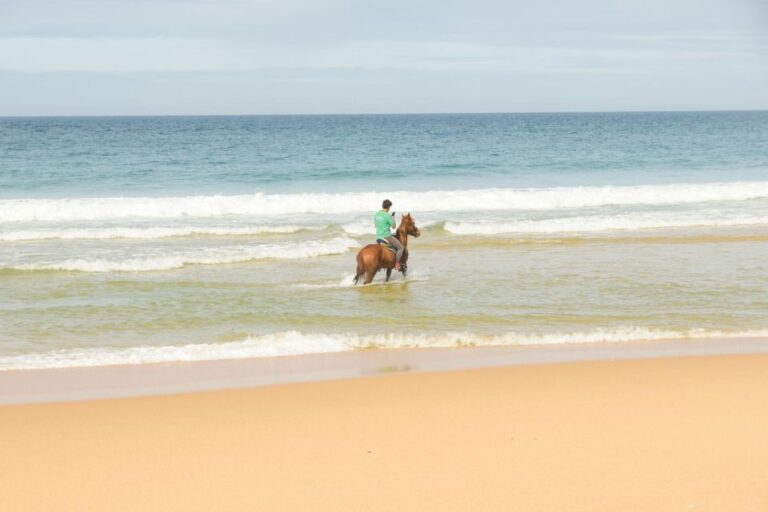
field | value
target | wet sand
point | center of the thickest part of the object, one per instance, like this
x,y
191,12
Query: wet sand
x,y
685,433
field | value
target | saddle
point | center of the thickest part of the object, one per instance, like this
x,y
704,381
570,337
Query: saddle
x,y
386,244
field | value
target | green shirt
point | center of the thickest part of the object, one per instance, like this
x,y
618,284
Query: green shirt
x,y
383,221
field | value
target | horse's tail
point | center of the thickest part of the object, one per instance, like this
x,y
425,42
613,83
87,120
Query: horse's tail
x,y
360,268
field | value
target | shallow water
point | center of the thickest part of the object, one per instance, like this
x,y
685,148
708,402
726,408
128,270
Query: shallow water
x,y
536,229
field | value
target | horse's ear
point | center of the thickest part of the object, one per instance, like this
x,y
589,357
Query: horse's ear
x,y
408,214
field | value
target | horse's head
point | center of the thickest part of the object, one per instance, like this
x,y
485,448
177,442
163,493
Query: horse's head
x,y
409,226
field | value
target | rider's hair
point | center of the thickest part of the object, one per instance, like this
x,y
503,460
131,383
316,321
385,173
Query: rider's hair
x,y
386,204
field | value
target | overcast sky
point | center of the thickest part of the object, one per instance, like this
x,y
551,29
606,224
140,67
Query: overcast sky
x,y
102,57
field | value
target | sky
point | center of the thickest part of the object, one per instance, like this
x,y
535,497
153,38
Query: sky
x,y
212,57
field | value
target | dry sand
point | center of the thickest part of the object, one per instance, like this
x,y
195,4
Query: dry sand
x,y
660,434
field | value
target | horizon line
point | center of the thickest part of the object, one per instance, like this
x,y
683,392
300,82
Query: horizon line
x,y
339,114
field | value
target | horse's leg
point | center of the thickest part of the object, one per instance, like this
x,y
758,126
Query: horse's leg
x,y
360,270
367,263
370,272
389,273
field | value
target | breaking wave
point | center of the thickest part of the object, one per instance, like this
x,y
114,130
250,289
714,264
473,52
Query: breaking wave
x,y
148,233
294,343
587,224
260,204
224,255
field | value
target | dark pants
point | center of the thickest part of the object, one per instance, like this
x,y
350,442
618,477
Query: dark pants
x,y
397,245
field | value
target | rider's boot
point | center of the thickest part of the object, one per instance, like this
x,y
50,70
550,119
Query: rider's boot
x,y
397,265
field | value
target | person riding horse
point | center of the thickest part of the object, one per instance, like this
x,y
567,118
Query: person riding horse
x,y
390,251
384,221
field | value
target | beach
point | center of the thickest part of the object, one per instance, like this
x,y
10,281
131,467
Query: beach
x,y
582,325
661,433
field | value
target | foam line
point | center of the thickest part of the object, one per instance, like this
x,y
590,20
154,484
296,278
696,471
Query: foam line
x,y
293,343
260,204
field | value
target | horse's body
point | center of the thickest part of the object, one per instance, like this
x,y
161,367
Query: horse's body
x,y
374,257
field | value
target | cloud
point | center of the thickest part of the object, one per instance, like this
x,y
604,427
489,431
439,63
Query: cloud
x,y
184,54
349,55
152,18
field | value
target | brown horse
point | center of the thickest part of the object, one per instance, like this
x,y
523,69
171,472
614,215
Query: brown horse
x,y
374,257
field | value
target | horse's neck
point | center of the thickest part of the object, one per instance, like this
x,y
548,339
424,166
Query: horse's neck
x,y
402,235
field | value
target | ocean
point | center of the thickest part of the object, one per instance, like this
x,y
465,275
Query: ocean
x,y
149,239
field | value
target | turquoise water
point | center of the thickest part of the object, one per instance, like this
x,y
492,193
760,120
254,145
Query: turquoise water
x,y
173,238
77,157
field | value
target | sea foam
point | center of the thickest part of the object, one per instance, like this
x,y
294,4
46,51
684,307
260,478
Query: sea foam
x,y
592,224
260,204
210,256
295,343
147,233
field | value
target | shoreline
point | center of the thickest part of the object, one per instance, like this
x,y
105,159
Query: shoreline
x,y
122,381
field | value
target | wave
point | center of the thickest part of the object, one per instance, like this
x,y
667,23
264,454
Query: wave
x,y
295,343
583,224
366,228
309,249
154,232
260,204
589,224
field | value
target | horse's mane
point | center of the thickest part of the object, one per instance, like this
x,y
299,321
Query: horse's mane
x,y
403,227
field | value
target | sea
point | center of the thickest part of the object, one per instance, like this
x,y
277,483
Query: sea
x,y
130,240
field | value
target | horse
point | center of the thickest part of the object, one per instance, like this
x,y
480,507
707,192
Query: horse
x,y
374,257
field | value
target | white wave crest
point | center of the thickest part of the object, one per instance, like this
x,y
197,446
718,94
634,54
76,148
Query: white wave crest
x,y
294,343
366,228
591,224
149,233
359,228
309,249
503,199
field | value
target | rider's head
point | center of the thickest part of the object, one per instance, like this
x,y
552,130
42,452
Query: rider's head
x,y
386,204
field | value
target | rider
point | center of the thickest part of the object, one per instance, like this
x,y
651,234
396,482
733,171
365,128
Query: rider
x,y
384,221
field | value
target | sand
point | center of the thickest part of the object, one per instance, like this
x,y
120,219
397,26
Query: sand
x,y
686,433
